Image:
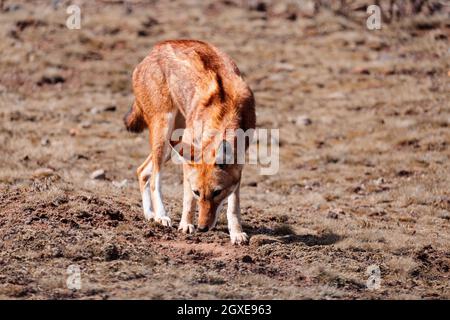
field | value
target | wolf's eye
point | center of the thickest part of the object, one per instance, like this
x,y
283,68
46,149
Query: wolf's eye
x,y
196,192
216,193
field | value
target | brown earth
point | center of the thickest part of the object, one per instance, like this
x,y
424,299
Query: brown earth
x,y
364,173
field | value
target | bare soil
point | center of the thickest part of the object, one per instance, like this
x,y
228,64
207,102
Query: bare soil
x,y
364,173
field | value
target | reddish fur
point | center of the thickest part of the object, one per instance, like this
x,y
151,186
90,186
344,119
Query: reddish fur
x,y
134,122
196,80
228,101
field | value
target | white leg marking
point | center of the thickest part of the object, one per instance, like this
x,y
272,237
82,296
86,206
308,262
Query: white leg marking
x,y
187,223
147,203
161,215
234,219
146,199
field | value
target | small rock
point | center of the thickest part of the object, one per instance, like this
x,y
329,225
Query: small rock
x,y
115,215
45,141
359,189
303,121
121,184
111,252
51,80
259,240
85,124
150,22
57,252
336,95
360,70
247,259
284,67
149,234
73,132
260,6
111,108
376,212
445,215
43,172
143,33
404,173
277,77
334,213
98,174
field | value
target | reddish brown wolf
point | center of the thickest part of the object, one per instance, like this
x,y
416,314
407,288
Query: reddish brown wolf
x,y
180,83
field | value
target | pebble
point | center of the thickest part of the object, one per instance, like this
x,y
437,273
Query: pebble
x,y
360,70
45,141
43,172
111,108
85,124
336,96
121,184
111,252
334,213
445,215
303,121
98,174
73,132
259,240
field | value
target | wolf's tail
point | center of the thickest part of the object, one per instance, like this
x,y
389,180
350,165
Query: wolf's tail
x,y
134,119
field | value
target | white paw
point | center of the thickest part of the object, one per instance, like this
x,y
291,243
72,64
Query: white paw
x,y
186,227
164,220
239,238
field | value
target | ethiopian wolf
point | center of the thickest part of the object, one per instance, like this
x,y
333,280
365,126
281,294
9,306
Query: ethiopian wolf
x,y
179,85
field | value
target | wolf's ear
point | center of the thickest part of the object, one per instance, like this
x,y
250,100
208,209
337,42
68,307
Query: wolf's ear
x,y
182,153
224,154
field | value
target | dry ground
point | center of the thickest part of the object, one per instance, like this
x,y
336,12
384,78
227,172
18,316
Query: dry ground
x,y
364,177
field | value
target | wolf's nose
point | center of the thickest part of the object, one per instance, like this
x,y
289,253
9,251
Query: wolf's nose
x,y
203,228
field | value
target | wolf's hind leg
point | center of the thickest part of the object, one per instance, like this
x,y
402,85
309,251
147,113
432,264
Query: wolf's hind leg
x,y
160,131
144,172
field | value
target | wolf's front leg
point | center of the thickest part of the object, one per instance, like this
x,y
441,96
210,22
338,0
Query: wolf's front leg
x,y
234,219
187,217
160,213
